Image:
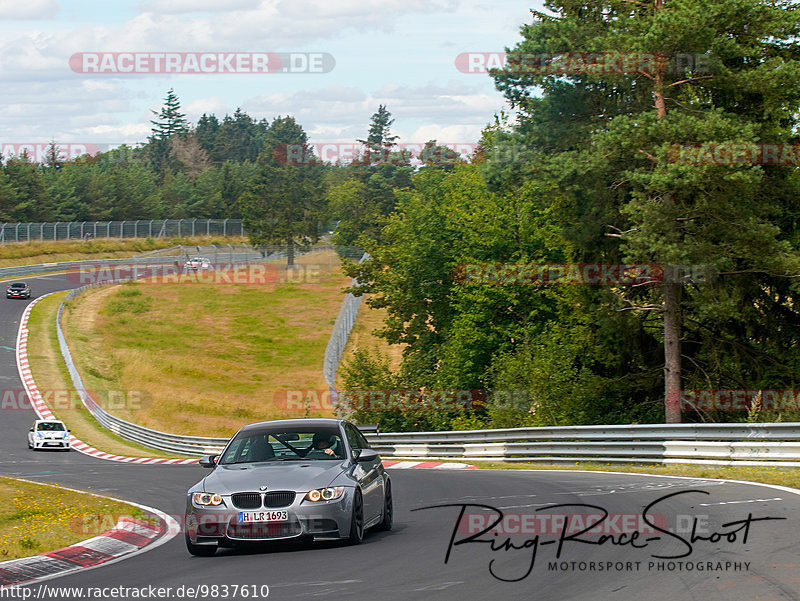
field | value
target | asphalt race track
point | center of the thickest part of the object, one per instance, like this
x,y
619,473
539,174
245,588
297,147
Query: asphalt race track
x,y
409,562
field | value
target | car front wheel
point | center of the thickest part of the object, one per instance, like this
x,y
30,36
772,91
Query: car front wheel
x,y
357,520
199,550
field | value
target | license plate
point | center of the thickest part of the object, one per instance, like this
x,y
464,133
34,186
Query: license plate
x,y
250,517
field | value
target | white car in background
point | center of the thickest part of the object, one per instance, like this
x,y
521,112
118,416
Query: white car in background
x,y
197,263
48,434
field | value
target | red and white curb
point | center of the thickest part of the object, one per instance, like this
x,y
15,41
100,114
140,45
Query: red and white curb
x,y
439,465
127,538
43,411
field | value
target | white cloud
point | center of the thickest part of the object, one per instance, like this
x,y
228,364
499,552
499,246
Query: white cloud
x,y
29,9
453,134
192,6
126,131
213,105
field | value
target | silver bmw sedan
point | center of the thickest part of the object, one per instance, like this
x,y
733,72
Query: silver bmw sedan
x,y
296,478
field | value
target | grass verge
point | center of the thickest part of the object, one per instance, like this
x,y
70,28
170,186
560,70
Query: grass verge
x,y
35,520
203,358
51,377
13,254
783,476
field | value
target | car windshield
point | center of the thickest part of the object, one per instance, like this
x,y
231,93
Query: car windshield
x,y
285,444
17,285
51,427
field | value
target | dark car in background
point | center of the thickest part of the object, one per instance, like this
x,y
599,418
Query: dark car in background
x,y
312,479
18,290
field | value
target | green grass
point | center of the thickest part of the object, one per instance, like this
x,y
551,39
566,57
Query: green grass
x,y
35,518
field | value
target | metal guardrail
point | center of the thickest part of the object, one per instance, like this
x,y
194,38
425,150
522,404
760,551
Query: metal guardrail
x,y
340,335
776,444
133,228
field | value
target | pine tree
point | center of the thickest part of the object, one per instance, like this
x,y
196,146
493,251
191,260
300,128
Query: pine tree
x,y
380,140
170,120
602,142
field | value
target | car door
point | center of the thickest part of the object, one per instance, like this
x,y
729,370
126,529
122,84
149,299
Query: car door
x,y
368,475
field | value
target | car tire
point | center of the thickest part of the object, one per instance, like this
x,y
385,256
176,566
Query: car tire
x,y
30,446
388,511
199,550
357,520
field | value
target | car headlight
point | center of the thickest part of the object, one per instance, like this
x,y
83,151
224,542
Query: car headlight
x,y
325,494
207,498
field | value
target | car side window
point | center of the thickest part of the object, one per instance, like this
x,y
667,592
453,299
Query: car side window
x,y
363,439
352,437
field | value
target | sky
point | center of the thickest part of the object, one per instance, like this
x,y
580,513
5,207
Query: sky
x,y
400,53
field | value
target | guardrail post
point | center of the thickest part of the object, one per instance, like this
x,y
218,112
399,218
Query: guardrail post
x,y
121,229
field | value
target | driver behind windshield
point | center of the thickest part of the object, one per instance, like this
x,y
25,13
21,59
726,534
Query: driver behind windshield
x,y
322,446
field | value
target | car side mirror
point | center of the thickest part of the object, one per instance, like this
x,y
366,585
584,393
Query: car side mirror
x,y
366,455
208,460
31,430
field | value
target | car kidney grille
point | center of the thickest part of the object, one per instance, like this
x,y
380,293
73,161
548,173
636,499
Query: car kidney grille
x,y
279,498
264,531
246,500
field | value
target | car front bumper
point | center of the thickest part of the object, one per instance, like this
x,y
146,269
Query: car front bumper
x,y
51,443
324,521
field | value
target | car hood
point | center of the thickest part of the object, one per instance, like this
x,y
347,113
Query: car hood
x,y
297,476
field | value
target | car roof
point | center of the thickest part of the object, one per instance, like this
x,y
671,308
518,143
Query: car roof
x,y
296,423
48,421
